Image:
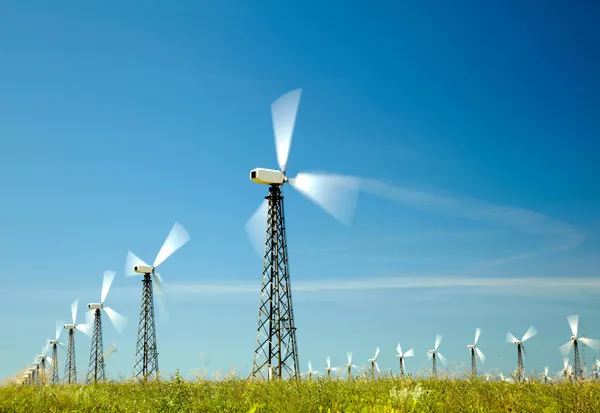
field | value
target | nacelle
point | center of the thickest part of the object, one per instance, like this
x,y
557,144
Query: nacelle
x,y
471,346
94,306
143,269
69,326
267,176
53,342
573,338
431,351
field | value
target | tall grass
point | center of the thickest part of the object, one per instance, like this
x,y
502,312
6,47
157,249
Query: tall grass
x,y
322,395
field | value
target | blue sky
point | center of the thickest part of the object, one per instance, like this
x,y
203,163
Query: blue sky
x,y
475,128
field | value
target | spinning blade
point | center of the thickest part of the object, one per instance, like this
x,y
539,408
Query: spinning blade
x,y
399,349
477,333
443,359
255,227
107,281
176,239
409,353
283,112
85,329
74,306
573,323
510,338
480,354
117,319
531,331
566,348
590,342
438,340
131,261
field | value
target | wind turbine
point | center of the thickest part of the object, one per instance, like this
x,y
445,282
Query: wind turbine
x,y
70,366
329,369
349,365
146,354
96,365
54,379
310,371
546,376
276,348
431,354
596,369
374,364
574,342
567,369
41,358
531,331
401,356
475,352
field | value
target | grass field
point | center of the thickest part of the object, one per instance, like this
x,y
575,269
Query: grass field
x,y
322,395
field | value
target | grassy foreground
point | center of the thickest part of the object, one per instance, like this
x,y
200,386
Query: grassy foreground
x,y
382,395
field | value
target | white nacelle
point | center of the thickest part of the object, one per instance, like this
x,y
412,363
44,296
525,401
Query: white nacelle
x,y
267,176
431,351
143,269
53,342
94,306
69,326
471,346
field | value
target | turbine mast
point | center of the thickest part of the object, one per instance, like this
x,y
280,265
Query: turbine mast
x,y
54,379
70,366
146,354
276,347
96,365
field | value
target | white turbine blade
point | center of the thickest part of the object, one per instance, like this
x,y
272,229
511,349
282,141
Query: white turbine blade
x,y
376,353
566,348
510,338
438,340
176,239
443,359
109,276
590,342
565,362
349,354
89,317
117,319
546,370
399,349
429,355
160,295
409,353
573,323
85,329
131,261
328,362
477,333
377,367
59,329
283,112
50,359
309,365
256,228
531,331
336,194
74,310
480,354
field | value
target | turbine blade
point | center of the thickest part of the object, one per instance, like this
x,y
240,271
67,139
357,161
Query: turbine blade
x,y
336,194
573,323
283,112
438,340
590,342
74,310
131,261
176,239
480,354
409,353
50,359
399,349
510,338
89,317
117,319
309,365
565,362
160,295
328,362
59,328
531,331
256,228
109,276
477,333
376,353
566,348
429,355
349,354
443,359
85,329
546,370
377,367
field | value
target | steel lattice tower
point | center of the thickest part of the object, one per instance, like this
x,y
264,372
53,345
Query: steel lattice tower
x,y
54,378
577,361
96,365
42,371
146,354
70,366
520,369
276,354
401,367
434,365
473,366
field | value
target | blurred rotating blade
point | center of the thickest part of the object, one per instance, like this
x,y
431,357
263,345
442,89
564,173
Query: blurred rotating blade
x,y
349,354
531,331
256,228
573,323
377,367
480,354
328,359
590,342
429,355
74,310
336,194
109,276
443,359
59,329
283,112
376,354
399,349
159,286
117,319
546,370
85,329
176,239
50,359
131,261
409,353
510,338
477,333
566,348
89,317
438,340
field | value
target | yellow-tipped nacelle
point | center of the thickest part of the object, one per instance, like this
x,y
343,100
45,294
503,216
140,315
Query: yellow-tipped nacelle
x,y
267,176
143,269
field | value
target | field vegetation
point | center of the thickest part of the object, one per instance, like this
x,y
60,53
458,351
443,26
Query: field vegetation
x,y
319,395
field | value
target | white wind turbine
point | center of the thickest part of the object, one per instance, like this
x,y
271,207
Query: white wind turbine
x,y
349,365
70,365
401,356
574,343
546,376
329,369
431,354
374,364
531,332
310,371
475,352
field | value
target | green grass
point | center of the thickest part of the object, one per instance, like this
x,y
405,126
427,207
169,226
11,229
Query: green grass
x,y
238,395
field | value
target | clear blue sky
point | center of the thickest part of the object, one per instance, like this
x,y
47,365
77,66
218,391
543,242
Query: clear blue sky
x,y
116,120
